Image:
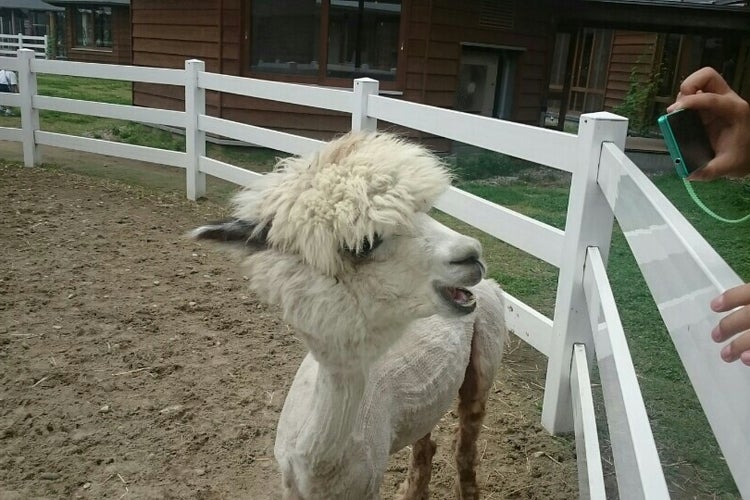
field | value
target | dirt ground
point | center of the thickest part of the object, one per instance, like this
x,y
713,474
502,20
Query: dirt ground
x,y
134,364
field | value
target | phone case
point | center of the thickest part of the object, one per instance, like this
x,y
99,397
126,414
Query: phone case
x,y
672,146
686,139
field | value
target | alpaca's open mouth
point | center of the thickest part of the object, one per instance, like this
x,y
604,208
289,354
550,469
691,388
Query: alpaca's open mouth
x,y
460,298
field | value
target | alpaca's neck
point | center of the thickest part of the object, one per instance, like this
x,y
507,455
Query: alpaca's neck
x,y
329,429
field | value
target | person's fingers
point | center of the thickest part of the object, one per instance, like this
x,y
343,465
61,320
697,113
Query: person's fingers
x,y
734,297
732,324
706,80
739,347
720,166
707,104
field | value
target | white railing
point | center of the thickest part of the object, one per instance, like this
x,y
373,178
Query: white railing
x,y
9,44
681,269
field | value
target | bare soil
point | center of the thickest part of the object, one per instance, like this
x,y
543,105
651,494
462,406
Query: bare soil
x,y
135,364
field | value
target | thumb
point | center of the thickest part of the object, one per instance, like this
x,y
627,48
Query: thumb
x,y
719,166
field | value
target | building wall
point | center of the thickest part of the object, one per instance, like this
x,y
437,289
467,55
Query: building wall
x,y
439,28
121,40
166,32
632,51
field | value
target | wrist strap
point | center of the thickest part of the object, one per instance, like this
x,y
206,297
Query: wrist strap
x,y
710,212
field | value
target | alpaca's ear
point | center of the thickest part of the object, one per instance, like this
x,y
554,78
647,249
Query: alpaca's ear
x,y
235,231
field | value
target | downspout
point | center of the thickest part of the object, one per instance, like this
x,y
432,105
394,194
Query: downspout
x,y
423,96
221,54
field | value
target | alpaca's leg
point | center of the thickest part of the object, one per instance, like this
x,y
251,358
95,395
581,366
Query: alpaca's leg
x,y
416,485
471,408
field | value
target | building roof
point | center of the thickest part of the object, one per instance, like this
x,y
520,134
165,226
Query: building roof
x,y
684,3
27,4
94,2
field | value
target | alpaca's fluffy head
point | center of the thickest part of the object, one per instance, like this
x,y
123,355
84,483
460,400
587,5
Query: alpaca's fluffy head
x,y
353,192
341,241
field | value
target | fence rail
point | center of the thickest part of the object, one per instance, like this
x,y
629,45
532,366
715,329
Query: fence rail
x,y
605,187
10,44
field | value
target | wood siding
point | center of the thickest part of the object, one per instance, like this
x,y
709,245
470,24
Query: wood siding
x,y
121,40
166,32
632,51
438,30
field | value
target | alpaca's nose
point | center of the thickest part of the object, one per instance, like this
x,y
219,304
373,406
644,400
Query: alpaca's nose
x,y
466,253
466,261
468,258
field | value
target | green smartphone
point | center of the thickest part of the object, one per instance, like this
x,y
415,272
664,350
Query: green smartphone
x,y
687,141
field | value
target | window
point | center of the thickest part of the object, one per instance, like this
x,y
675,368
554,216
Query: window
x,y
93,27
593,48
363,39
326,39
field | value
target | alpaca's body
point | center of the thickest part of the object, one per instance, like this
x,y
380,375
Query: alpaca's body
x,y
379,292
407,392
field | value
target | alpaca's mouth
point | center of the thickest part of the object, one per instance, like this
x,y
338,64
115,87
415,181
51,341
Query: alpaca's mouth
x,y
458,297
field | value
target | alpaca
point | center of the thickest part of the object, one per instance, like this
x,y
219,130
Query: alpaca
x,y
391,305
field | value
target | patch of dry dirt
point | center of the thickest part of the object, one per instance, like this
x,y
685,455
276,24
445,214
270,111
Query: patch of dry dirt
x,y
135,363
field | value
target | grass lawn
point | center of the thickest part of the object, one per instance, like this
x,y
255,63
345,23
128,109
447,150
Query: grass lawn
x,y
684,437
687,446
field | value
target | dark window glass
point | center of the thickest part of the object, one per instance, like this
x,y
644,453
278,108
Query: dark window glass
x,y
363,38
285,36
668,67
93,27
585,59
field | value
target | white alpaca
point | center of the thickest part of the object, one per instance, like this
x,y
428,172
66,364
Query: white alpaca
x,y
377,291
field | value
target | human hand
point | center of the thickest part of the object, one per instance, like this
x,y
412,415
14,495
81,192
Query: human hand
x,y
726,117
735,323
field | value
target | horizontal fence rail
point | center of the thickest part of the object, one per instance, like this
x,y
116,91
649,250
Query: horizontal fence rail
x,y
280,141
105,110
586,327
639,473
590,474
110,72
10,44
291,93
559,148
683,273
536,238
122,150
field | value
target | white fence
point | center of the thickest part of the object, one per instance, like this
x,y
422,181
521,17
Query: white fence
x,y
681,269
9,44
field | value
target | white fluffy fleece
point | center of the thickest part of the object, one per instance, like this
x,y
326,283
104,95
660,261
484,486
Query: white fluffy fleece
x,y
390,330
355,187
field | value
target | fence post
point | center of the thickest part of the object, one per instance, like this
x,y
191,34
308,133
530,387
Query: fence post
x,y
195,139
363,88
20,41
27,88
46,47
589,223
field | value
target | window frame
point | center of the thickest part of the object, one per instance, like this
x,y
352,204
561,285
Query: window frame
x,y
322,79
74,29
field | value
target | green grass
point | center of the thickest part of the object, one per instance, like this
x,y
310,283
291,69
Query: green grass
x,y
678,422
680,427
117,92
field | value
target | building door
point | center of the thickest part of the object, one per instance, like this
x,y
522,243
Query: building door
x,y
485,81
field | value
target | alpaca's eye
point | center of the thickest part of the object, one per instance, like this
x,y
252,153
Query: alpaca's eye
x,y
367,247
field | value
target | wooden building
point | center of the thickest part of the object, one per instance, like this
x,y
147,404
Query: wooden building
x,y
604,47
95,31
511,59
27,17
484,57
